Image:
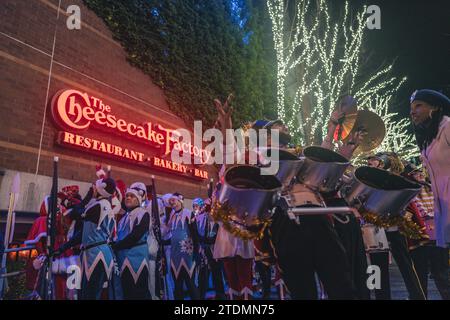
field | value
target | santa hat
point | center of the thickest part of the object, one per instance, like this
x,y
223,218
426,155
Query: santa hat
x,y
266,124
100,172
139,190
105,187
70,196
43,211
71,190
121,189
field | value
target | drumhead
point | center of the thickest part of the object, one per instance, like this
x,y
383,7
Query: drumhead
x,y
383,180
320,154
250,177
283,155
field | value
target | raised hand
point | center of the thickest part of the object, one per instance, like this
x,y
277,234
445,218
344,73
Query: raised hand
x,y
224,114
336,116
353,141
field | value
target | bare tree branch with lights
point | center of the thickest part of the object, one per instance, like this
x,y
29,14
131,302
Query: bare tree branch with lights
x,y
319,59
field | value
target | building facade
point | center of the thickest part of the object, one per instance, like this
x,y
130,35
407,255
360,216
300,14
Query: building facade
x,y
72,94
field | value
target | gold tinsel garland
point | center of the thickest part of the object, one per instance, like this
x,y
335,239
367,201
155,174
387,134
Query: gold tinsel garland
x,y
405,225
223,212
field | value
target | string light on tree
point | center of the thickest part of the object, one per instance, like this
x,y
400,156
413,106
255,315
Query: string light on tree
x,y
320,58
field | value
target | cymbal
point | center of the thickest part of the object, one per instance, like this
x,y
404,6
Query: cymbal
x,y
347,105
344,128
374,128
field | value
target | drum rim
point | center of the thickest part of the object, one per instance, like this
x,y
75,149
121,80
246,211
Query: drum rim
x,y
340,163
230,186
355,176
284,151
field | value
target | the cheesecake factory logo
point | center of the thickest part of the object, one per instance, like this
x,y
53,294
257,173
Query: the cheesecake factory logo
x,y
75,112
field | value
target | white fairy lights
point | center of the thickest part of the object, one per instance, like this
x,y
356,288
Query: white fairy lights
x,y
318,60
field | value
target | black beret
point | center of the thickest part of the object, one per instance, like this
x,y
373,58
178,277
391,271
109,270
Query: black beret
x,y
431,97
259,124
265,124
271,123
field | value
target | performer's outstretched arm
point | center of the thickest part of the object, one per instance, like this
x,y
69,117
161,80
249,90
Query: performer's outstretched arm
x,y
77,210
332,125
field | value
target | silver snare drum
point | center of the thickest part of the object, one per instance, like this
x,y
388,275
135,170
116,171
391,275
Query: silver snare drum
x,y
249,193
322,169
379,191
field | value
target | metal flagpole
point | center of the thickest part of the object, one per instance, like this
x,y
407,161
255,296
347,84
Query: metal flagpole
x,y
9,231
157,231
51,231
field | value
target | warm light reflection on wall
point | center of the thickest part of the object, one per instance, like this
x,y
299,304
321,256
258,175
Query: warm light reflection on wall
x,y
21,255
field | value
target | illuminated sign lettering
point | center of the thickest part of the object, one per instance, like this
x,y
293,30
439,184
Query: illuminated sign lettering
x,y
76,140
74,110
81,142
200,173
169,165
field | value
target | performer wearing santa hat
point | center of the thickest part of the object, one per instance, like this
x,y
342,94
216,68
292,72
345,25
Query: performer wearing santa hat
x,y
70,198
133,254
38,236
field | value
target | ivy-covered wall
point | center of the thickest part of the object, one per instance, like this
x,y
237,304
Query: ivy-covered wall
x,y
198,50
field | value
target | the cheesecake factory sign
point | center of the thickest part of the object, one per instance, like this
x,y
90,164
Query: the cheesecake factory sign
x,y
75,112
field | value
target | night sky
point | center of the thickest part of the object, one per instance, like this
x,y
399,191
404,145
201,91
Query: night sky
x,y
416,34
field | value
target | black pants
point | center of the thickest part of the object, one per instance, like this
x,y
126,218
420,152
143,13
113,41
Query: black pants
x,y
311,247
203,280
381,259
399,248
138,290
184,278
265,276
93,289
351,237
431,259
216,270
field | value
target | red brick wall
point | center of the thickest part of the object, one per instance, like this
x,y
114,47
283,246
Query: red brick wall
x,y
88,60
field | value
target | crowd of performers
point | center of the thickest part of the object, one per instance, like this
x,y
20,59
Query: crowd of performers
x,y
126,250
